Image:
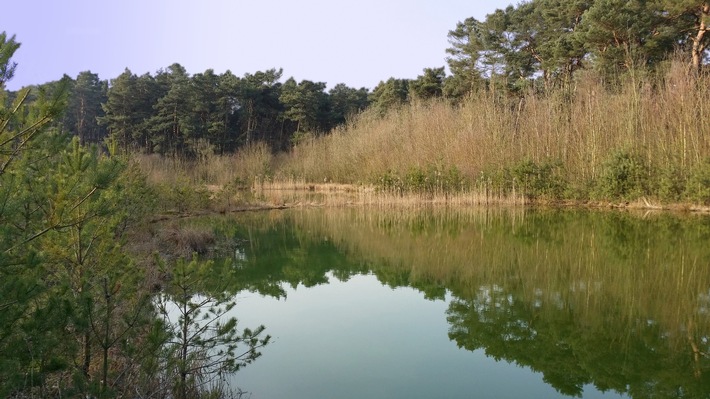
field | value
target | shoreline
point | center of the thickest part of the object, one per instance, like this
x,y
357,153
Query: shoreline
x,y
292,195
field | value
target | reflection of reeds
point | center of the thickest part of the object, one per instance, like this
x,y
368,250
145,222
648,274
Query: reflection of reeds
x,y
604,267
293,191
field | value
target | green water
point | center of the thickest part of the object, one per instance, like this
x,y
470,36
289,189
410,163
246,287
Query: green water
x,y
440,303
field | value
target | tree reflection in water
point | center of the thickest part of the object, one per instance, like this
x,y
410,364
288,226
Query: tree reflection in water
x,y
604,298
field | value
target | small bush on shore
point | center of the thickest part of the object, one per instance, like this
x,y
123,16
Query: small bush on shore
x,y
698,188
624,176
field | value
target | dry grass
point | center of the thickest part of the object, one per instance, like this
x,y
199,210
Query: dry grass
x,y
664,123
241,168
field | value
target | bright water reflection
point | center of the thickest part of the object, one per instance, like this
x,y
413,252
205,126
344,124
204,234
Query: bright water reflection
x,y
360,339
437,303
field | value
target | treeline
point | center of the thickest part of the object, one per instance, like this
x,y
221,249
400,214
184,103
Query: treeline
x,y
174,113
538,45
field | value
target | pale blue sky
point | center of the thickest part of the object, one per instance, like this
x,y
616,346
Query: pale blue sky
x,y
356,42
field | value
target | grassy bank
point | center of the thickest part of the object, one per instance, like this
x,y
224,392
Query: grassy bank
x,y
645,140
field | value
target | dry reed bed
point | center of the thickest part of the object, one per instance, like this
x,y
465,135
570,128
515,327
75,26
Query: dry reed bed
x,y
251,162
301,193
665,123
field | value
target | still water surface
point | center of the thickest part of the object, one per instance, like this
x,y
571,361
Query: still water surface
x,y
440,303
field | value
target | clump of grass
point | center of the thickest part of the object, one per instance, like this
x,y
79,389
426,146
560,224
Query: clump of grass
x,y
198,241
162,170
250,163
182,241
181,196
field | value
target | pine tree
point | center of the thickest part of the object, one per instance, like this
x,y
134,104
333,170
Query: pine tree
x,y
25,313
429,85
390,94
626,35
87,95
205,344
691,18
467,47
68,290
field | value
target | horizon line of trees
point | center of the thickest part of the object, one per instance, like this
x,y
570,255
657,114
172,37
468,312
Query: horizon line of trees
x,y
536,45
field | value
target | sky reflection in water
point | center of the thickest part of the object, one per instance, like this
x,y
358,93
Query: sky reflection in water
x,y
360,339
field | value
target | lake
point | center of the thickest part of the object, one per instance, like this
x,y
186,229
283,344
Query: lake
x,y
490,303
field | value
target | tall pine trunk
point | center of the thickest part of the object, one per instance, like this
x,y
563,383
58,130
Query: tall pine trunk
x,y
699,43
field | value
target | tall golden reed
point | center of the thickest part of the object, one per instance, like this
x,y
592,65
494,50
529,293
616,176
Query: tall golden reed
x,y
251,162
661,119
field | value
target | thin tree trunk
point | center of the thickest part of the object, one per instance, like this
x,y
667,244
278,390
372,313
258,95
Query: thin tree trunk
x,y
183,354
699,44
106,343
80,121
87,353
